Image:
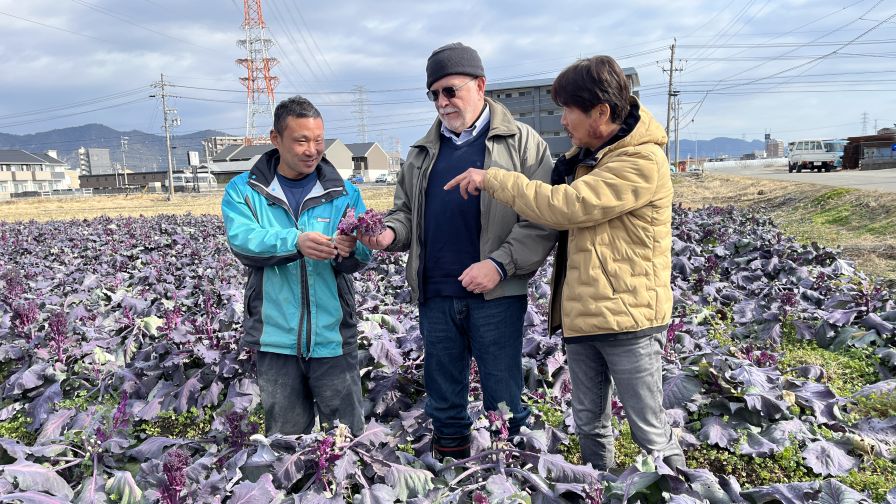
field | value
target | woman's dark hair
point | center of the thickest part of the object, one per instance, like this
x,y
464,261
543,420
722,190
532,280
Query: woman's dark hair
x,y
297,106
589,82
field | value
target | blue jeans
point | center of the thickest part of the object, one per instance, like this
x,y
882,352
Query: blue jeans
x,y
454,329
635,366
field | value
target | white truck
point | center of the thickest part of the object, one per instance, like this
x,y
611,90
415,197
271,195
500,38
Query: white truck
x,y
817,155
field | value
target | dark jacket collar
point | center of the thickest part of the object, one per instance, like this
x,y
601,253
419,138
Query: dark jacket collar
x,y
264,172
566,164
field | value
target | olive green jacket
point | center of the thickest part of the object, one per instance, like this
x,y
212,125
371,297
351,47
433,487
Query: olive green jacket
x,y
521,246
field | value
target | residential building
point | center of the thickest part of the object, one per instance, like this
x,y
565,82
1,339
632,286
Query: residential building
x,y
214,145
23,172
370,160
94,161
339,154
235,159
530,103
774,148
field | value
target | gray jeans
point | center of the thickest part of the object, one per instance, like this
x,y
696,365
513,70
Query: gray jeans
x,y
635,366
294,389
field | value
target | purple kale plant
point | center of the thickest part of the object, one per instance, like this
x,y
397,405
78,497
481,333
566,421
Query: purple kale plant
x,y
24,316
497,424
58,332
369,223
348,224
13,286
326,456
480,498
174,469
239,429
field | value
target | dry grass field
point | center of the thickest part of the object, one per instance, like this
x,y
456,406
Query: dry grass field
x,y
860,223
41,209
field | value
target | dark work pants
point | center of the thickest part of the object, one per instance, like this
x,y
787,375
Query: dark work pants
x,y
293,389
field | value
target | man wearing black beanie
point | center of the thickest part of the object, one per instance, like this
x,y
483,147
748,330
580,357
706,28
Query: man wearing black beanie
x,y
468,265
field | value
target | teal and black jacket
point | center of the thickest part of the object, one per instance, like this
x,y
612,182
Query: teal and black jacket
x,y
293,305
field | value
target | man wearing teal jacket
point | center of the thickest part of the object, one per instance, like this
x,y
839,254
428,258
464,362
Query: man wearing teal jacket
x,y
281,219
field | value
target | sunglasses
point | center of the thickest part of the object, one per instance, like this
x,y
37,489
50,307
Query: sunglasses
x,y
449,91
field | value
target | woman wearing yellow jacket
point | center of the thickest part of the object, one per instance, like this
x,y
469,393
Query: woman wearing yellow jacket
x,y
611,198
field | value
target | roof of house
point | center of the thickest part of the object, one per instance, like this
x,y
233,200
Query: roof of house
x,y
48,159
241,152
360,149
19,156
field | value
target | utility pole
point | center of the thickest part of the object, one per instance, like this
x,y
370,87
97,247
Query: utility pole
x,y
677,122
169,116
124,162
670,94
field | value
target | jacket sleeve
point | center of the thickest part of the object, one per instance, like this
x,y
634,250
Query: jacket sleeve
x,y
398,219
528,243
361,255
626,181
252,244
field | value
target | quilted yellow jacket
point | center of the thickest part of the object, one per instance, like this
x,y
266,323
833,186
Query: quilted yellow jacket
x,y
618,212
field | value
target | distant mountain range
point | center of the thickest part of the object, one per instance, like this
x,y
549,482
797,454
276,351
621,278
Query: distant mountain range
x,y
145,151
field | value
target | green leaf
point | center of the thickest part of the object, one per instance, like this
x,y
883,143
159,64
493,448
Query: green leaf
x,y
409,482
151,324
123,485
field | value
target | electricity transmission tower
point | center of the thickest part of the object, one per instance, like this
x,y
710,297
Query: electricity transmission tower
x,y
258,81
360,111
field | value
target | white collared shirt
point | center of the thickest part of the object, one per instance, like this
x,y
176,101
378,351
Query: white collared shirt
x,y
471,131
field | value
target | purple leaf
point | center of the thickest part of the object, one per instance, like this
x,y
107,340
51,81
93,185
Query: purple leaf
x,y
25,379
186,396
152,448
716,432
288,470
378,494
34,498
781,433
30,476
757,446
386,353
842,317
828,459
54,425
556,469
678,389
40,408
260,492
791,493
834,492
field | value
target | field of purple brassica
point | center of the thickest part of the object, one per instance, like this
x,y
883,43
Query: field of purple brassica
x,y
121,380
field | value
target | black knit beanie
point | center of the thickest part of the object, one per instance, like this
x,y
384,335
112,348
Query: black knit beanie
x,y
453,59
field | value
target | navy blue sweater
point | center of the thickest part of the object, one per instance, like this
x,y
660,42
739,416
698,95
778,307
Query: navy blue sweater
x,y
451,224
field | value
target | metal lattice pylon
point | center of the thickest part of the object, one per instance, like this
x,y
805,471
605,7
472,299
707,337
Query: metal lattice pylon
x,y
259,82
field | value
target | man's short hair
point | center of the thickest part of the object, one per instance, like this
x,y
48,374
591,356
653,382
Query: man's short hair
x,y
296,106
589,82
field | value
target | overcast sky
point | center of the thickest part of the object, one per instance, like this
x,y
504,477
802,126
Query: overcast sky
x,y
791,67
